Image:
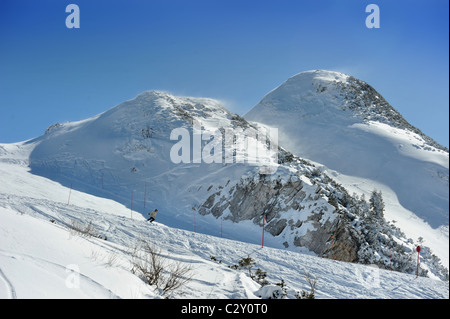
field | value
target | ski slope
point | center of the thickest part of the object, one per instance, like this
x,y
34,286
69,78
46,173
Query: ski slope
x,y
41,258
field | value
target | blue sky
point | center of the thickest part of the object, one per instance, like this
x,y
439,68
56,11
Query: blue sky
x,y
232,50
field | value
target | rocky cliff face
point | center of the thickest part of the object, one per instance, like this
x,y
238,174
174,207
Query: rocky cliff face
x,y
290,204
366,102
300,204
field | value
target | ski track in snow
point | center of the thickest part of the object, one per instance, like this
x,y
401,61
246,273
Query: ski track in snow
x,y
8,292
57,270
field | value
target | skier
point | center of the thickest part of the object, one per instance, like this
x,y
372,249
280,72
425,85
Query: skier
x,y
152,216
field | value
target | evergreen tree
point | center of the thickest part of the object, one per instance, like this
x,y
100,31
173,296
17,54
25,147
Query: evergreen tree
x,y
376,203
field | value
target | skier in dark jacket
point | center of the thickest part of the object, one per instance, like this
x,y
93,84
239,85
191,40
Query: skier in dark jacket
x,y
152,216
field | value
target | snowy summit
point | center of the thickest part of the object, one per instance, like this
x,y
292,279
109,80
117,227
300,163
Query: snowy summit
x,y
346,126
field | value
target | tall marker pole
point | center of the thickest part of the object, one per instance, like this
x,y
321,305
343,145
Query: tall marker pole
x,y
264,222
131,204
332,244
390,257
418,251
70,191
193,213
145,194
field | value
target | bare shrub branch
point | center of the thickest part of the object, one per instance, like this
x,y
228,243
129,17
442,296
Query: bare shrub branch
x,y
153,269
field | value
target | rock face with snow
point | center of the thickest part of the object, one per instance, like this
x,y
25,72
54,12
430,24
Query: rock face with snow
x,y
127,154
288,201
365,144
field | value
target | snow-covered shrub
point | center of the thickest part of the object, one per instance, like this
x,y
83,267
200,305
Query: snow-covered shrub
x,y
270,292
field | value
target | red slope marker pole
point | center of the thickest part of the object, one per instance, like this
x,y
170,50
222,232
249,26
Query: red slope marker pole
x,y
70,191
131,204
195,226
264,222
332,244
418,251
390,257
145,194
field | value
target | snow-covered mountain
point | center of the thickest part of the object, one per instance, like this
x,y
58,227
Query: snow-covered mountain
x,y
212,171
132,152
364,144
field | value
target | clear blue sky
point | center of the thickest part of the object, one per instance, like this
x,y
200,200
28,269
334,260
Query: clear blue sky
x,y
232,50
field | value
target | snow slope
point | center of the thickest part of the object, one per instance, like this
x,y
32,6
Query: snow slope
x,y
41,258
344,125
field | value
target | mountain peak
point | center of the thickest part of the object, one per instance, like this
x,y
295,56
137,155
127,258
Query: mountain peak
x,y
332,97
307,81
320,75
